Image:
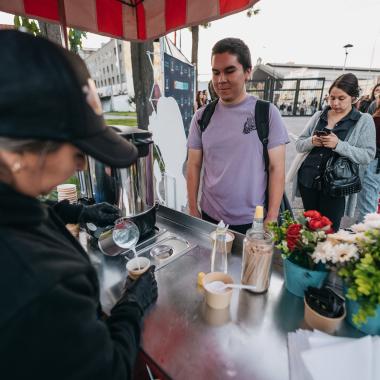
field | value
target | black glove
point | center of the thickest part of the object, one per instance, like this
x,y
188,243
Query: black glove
x,y
101,214
143,291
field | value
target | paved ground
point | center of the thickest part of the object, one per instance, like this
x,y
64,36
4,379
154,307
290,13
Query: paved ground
x,y
295,126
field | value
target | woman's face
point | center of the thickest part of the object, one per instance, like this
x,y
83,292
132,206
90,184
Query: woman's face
x,y
44,173
340,101
376,92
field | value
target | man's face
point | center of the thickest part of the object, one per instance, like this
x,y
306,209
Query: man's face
x,y
229,77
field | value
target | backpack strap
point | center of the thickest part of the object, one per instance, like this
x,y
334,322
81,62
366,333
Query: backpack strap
x,y
262,127
204,121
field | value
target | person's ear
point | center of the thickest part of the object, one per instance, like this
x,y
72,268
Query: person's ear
x,y
247,74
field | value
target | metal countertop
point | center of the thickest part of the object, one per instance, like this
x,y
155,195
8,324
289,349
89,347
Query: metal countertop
x,y
189,340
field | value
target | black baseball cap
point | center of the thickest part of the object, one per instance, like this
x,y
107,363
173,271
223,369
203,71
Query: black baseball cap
x,y
46,93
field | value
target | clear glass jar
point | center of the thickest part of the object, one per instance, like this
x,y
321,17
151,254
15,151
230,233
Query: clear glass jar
x,y
257,260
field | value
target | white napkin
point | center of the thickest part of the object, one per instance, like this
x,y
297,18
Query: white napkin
x,y
351,359
319,356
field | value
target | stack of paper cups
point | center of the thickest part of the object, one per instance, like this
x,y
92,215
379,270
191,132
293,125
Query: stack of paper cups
x,y
67,191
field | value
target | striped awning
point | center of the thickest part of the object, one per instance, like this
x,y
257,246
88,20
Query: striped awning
x,y
126,19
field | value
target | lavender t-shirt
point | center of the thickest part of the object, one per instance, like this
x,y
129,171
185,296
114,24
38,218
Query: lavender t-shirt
x,y
234,178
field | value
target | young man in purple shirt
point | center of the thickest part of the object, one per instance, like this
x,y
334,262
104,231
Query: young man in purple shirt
x,y
230,151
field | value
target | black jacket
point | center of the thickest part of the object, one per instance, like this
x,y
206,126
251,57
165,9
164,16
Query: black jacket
x,y
50,327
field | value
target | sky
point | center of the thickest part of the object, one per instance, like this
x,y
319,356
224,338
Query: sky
x,y
299,31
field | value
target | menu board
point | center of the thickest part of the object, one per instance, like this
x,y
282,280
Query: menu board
x,y
179,83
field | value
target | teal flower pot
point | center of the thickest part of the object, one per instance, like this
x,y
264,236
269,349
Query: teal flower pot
x,y
297,278
372,327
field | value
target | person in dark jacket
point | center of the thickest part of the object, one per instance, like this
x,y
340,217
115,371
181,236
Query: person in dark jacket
x,y
51,323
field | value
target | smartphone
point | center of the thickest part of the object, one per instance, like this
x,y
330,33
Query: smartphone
x,y
323,132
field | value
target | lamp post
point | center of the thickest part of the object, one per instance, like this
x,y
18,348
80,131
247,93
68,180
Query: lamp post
x,y
346,47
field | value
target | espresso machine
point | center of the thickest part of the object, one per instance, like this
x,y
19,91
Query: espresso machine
x,y
130,189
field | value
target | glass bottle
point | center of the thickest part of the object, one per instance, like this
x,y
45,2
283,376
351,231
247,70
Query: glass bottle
x,y
219,249
258,220
257,254
257,260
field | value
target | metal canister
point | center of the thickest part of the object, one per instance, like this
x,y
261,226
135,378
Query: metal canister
x,y
257,260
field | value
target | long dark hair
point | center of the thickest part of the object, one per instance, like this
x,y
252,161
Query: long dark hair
x,y
373,92
347,83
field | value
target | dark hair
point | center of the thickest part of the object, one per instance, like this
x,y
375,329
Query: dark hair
x,y
373,92
40,147
347,83
234,46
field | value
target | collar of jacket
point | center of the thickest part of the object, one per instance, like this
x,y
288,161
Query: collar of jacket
x,y
354,114
20,209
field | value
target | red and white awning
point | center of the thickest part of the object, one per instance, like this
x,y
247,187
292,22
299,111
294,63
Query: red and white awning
x,y
126,19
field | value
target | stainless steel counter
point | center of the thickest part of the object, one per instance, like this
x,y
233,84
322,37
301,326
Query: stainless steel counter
x,y
186,338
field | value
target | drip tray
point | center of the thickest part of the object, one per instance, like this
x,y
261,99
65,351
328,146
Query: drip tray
x,y
165,249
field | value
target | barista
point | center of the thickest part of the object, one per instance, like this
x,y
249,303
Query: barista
x,y
50,315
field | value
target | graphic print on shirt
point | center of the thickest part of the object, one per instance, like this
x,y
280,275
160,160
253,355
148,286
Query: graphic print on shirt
x,y
249,125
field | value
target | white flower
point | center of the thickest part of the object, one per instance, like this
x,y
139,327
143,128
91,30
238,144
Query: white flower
x,y
372,221
323,252
344,252
342,236
360,227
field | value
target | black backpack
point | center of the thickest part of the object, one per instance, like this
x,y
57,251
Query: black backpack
x,y
262,127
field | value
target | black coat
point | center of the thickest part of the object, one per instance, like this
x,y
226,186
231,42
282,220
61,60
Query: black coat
x,y
50,326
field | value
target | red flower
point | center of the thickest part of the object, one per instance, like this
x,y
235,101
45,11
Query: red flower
x,y
293,234
322,223
312,214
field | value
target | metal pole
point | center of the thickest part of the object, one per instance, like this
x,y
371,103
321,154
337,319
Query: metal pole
x,y
345,60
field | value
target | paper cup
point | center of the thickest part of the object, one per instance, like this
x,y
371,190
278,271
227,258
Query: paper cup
x,y
320,322
217,300
133,267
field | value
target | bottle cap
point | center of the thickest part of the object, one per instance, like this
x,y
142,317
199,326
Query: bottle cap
x,y
259,212
221,225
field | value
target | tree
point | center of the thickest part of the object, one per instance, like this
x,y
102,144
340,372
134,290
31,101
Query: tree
x,y
142,72
50,31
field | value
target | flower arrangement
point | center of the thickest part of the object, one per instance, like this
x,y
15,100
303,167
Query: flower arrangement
x,y
356,255
297,239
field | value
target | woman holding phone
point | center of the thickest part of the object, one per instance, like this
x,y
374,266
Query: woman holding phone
x,y
325,134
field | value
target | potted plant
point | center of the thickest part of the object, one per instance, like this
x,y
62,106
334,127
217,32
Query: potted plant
x,y
356,255
297,240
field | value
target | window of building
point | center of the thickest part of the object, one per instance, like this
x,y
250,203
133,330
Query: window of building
x,y
114,51
119,48
118,79
108,69
111,66
109,81
113,80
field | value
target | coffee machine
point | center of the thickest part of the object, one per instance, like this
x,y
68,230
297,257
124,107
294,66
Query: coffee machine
x,y
130,189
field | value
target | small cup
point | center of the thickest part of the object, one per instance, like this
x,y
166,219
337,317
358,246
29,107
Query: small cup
x,y
229,240
320,322
218,300
133,267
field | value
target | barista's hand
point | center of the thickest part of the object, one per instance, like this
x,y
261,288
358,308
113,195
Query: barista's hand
x,y
101,214
143,291
330,141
